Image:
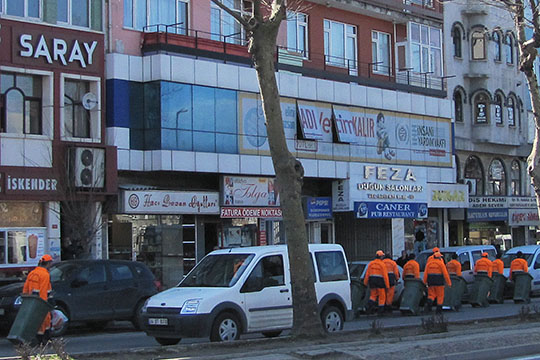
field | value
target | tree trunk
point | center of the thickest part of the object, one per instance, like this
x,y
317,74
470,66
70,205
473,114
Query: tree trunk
x,y
289,178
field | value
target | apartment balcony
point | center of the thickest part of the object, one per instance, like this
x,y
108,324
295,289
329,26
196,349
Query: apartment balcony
x,y
233,49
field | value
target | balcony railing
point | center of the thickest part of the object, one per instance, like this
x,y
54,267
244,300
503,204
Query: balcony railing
x,y
233,48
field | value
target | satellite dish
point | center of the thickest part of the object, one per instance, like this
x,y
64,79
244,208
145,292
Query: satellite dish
x,y
89,101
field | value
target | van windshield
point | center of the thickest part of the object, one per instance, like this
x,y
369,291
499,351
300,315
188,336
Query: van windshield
x,y
507,259
222,270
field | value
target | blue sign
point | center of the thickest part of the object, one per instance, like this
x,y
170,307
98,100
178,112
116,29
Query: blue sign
x,y
378,210
487,214
318,208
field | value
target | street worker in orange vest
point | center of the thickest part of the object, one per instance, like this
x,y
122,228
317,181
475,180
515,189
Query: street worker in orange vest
x,y
436,276
377,279
431,257
38,283
454,266
497,266
483,265
518,265
411,270
393,277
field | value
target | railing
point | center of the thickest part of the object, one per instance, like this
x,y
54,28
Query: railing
x,y
233,48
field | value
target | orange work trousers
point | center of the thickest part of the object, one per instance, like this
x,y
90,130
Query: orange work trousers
x,y
436,292
379,294
390,295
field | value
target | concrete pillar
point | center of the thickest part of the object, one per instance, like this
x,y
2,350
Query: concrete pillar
x,y
398,237
446,229
52,222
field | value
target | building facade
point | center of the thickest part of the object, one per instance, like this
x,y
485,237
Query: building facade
x,y
53,154
363,100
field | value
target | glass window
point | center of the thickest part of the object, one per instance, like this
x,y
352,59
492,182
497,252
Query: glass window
x,y
458,106
331,266
511,111
426,49
509,47
481,108
93,274
380,52
80,13
3,248
156,14
223,26
465,261
61,272
76,117
478,45
16,247
498,109
475,172
340,44
222,270
297,33
15,7
497,178
267,273
121,272
456,39
22,103
515,173
497,45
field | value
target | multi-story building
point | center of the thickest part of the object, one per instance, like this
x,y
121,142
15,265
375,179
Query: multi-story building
x,y
52,128
363,99
491,126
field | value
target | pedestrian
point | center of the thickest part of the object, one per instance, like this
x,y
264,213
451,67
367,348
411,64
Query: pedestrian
x,y
403,259
454,266
498,265
430,257
419,244
518,265
411,270
483,265
393,277
436,276
38,283
377,279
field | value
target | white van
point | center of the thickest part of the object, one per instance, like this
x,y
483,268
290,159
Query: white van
x,y
245,290
531,253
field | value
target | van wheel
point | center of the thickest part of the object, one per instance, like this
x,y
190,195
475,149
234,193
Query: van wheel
x,y
271,334
226,328
332,319
168,341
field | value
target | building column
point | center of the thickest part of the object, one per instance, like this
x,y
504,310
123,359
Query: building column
x,y
398,236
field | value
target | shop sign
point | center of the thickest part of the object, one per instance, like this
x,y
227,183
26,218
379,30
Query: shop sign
x,y
170,202
340,195
487,214
488,202
523,217
250,212
448,196
249,191
522,202
315,121
318,207
28,184
57,50
379,210
390,183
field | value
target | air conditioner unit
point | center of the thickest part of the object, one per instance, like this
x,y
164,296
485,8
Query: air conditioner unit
x,y
471,184
88,167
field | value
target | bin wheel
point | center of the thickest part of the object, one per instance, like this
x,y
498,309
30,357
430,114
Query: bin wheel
x,y
61,330
167,341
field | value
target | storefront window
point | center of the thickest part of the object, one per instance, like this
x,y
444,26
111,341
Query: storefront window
x,y
497,178
516,178
474,176
239,232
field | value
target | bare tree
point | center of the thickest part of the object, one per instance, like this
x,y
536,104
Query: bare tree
x,y
261,27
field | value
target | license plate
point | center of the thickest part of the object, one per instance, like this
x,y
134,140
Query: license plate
x,y
158,321
2,311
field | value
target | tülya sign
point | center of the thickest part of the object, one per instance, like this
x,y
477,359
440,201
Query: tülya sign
x,y
57,50
249,191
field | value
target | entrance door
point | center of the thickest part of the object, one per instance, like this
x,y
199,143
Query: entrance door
x,y
327,233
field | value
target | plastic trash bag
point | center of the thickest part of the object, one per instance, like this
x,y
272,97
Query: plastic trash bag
x,y
58,319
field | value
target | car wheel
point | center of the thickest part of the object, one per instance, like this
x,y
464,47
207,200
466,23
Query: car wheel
x,y
62,329
271,334
226,328
136,320
332,319
167,341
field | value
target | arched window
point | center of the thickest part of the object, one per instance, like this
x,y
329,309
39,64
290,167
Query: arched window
x,y
481,108
20,101
456,38
496,178
515,175
474,176
509,46
498,109
478,45
497,48
458,105
511,111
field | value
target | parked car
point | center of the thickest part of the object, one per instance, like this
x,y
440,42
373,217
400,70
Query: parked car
x,y
90,291
357,269
531,253
245,290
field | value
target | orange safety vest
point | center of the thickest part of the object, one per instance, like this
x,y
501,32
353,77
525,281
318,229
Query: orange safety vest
x,y
483,265
436,274
518,264
411,268
376,274
497,266
454,267
39,282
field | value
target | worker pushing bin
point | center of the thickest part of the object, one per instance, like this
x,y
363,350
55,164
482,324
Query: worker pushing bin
x,y
29,319
482,285
522,287
497,289
453,295
412,295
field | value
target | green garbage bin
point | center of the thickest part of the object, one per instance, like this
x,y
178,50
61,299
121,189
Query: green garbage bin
x,y
359,296
28,320
454,295
496,293
411,296
522,287
480,290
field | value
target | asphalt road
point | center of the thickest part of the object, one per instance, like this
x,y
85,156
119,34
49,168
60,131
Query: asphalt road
x,y
121,335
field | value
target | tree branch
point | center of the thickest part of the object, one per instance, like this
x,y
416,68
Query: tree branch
x,y
235,15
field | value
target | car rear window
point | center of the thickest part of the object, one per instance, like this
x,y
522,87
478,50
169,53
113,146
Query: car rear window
x,y
142,272
121,272
507,258
331,266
